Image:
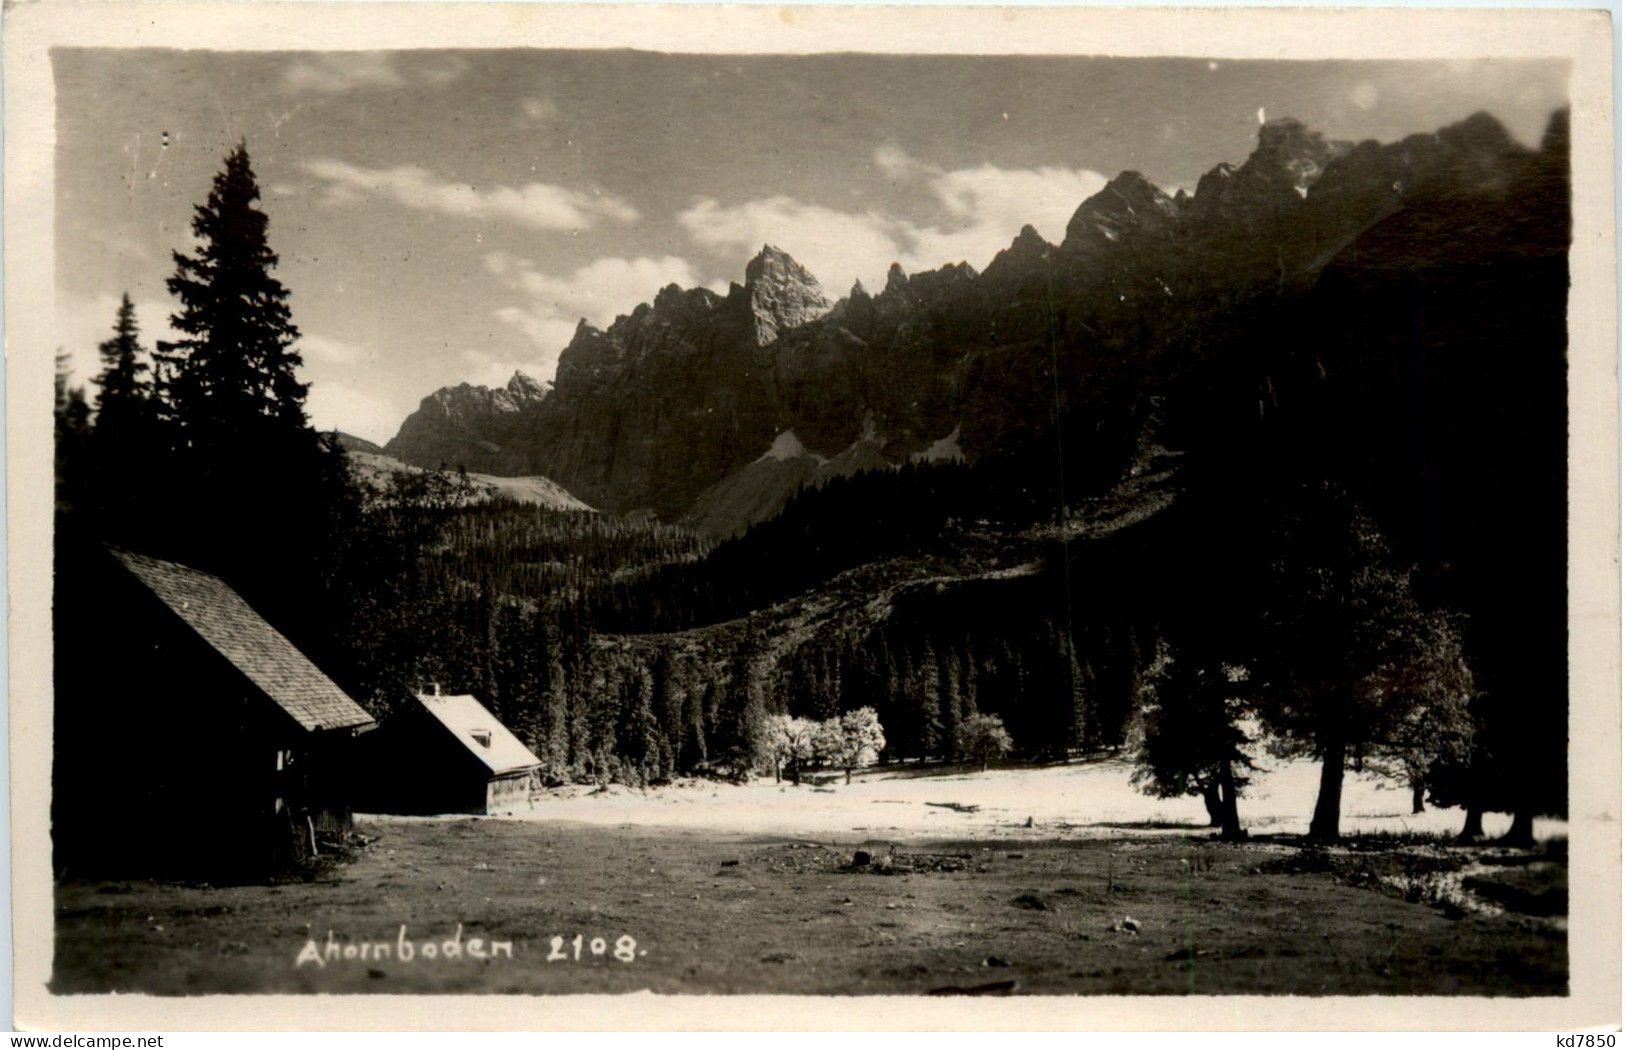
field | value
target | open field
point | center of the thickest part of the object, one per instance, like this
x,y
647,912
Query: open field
x,y
979,906
1077,799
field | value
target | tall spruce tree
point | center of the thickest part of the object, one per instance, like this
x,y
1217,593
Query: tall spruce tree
x,y
236,365
123,444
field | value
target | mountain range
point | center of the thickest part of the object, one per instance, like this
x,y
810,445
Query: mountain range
x,y
714,409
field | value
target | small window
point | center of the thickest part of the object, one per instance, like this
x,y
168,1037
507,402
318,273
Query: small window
x,y
482,736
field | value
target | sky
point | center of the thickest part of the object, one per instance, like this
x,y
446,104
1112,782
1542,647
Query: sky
x,y
449,216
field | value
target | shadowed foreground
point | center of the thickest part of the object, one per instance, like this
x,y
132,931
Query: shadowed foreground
x,y
720,913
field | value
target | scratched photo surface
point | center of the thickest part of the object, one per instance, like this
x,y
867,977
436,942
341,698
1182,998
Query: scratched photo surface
x,y
540,521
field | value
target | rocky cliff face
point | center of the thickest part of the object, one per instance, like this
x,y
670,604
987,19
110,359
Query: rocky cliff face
x,y
780,294
1128,205
478,428
1056,346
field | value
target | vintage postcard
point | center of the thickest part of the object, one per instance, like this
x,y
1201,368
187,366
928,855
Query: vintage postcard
x,y
743,517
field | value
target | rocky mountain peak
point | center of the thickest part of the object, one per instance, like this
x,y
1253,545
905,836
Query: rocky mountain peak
x,y
1274,180
1027,251
1479,133
466,400
896,279
774,263
668,297
470,426
1288,149
525,390
1135,192
1029,242
1126,204
781,294
945,280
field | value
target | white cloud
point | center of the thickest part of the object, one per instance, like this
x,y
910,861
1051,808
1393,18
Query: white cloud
x,y
836,246
483,368
604,287
979,211
537,204
894,161
353,408
550,331
553,305
344,386
987,206
339,73
321,349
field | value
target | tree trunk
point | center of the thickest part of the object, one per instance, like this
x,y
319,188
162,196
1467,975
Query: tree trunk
x,y
795,773
1473,828
1522,832
1417,791
1329,803
849,774
1229,820
776,773
1214,804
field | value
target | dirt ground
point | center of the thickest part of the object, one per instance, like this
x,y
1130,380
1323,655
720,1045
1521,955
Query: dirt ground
x,y
1143,911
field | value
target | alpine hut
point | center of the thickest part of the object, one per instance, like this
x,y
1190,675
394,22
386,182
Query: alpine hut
x,y
460,758
197,739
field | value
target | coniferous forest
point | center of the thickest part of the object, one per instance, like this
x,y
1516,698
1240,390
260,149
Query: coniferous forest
x,y
1298,492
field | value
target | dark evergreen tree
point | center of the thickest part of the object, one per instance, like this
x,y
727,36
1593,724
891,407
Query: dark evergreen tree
x,y
741,716
928,703
640,742
236,363
1193,743
124,449
124,399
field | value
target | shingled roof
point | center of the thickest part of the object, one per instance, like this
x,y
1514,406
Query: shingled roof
x,y
221,617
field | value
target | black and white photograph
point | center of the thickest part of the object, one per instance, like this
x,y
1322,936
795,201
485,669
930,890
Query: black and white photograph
x,y
541,520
